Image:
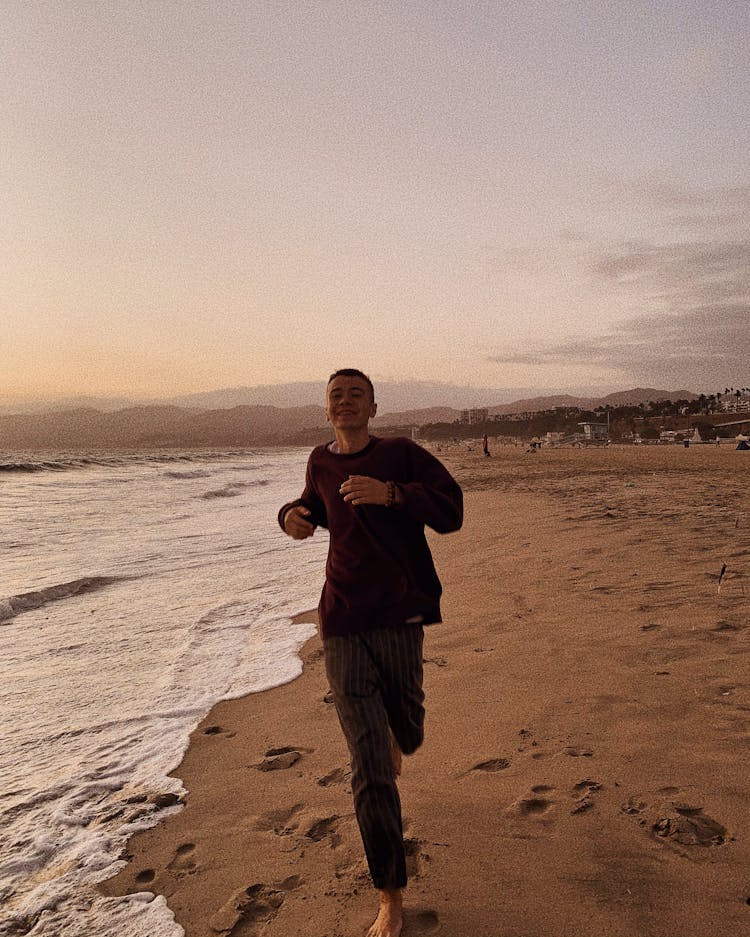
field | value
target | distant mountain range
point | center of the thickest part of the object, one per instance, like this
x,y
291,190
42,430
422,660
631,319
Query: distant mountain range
x,y
620,398
176,426
392,397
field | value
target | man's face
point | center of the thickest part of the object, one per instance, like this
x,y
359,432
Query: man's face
x,y
349,405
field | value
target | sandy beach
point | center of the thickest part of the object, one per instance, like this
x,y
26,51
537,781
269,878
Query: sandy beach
x,y
585,766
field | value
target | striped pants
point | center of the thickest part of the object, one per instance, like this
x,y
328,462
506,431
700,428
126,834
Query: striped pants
x,y
376,681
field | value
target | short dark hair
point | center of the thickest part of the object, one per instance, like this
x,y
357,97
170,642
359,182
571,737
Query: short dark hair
x,y
353,372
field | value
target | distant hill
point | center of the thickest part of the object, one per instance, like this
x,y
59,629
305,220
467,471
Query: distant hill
x,y
56,404
142,427
174,426
620,398
534,404
417,417
392,396
631,398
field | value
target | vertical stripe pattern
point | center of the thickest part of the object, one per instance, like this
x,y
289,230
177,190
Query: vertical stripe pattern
x,y
376,681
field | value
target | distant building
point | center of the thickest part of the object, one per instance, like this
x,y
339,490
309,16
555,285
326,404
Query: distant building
x,y
734,401
594,432
475,415
680,435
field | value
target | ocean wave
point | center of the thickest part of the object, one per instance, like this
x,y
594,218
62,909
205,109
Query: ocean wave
x,y
194,473
63,464
33,466
232,489
27,601
154,718
26,463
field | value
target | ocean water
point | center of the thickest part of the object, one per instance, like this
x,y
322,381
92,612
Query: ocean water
x,y
135,592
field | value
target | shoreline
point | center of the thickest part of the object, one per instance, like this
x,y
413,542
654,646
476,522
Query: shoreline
x,y
587,716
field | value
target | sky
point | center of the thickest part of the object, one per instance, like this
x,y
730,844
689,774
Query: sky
x,y
198,195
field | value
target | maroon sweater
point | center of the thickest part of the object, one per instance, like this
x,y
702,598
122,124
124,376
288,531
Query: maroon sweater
x,y
379,570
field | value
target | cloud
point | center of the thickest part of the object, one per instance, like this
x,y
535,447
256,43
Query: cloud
x,y
694,330
694,350
665,195
680,273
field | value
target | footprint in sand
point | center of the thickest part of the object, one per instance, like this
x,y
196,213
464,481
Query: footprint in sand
x,y
582,792
420,920
678,822
249,910
145,876
277,759
218,730
182,862
689,826
633,806
167,799
493,764
322,828
337,776
528,741
573,751
535,804
728,627
278,821
415,855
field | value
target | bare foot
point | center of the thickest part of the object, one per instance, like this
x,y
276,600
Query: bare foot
x,y
389,921
396,757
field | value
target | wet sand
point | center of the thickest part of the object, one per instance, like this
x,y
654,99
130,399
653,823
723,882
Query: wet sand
x,y
585,766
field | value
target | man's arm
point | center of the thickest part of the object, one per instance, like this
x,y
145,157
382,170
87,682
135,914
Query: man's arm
x,y
363,489
433,498
299,518
295,520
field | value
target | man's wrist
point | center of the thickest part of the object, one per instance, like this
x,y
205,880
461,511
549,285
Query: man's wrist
x,y
392,494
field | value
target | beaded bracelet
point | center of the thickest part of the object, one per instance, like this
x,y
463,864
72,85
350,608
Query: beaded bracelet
x,y
390,496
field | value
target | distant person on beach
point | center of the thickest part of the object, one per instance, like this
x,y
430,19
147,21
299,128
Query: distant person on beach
x,y
375,496
485,445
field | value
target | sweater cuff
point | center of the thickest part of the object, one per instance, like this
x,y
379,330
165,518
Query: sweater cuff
x,y
284,509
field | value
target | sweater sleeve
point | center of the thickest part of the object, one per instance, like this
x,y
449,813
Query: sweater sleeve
x,y
431,496
309,499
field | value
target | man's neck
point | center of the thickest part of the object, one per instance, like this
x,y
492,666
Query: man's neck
x,y
352,442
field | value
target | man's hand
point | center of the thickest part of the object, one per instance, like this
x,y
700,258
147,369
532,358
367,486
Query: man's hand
x,y
361,489
297,525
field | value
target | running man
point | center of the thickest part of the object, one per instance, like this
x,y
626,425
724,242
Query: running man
x,y
375,496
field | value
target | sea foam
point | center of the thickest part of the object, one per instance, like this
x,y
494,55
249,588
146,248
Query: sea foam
x,y
132,605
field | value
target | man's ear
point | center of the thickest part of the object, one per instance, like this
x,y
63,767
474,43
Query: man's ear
x,y
373,409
